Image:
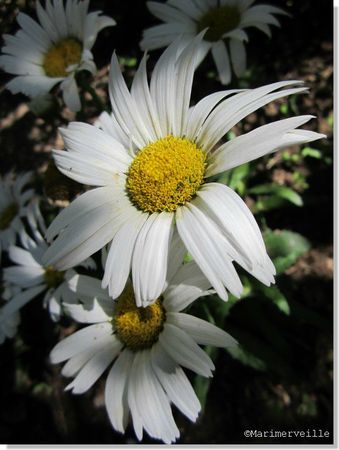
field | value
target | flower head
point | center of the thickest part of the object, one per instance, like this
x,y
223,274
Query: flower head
x,y
152,160
145,348
13,204
224,21
31,276
53,49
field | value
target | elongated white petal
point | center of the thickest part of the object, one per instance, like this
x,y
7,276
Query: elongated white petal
x,y
184,350
115,390
167,13
70,94
19,300
256,143
153,404
124,107
238,56
95,335
150,257
118,264
202,332
133,381
229,112
209,249
24,276
85,314
175,383
20,256
188,284
177,252
222,61
95,367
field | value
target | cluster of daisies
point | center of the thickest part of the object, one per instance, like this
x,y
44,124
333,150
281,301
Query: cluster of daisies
x,y
152,199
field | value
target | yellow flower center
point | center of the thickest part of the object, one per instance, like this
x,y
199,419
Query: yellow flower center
x,y
7,215
137,328
219,21
53,278
61,55
166,174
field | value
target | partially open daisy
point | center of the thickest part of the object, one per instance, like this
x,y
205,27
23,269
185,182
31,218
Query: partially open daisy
x,y
224,20
152,161
147,347
31,276
14,198
53,50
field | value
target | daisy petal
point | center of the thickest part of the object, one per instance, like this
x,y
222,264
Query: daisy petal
x,y
222,61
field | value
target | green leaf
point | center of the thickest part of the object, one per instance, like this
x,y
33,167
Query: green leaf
x,y
285,247
311,152
273,293
245,357
280,191
238,175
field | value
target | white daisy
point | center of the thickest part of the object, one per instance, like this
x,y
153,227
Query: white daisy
x,y
147,347
153,161
13,202
31,275
9,323
225,21
52,50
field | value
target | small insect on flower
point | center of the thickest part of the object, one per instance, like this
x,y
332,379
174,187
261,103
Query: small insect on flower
x,y
146,347
153,161
29,278
52,50
13,202
224,21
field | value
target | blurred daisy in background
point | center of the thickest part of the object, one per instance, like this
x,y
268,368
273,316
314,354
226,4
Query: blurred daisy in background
x,y
152,160
14,198
31,276
224,20
52,50
146,348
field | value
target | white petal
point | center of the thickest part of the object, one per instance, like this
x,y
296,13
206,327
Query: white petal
x,y
167,13
175,383
95,336
184,350
256,143
229,112
24,276
188,284
209,249
115,390
19,300
222,61
94,368
70,94
238,56
204,333
150,257
118,263
125,108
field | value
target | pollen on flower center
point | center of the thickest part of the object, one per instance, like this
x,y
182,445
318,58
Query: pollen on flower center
x,y
61,55
137,328
7,215
166,174
219,21
53,277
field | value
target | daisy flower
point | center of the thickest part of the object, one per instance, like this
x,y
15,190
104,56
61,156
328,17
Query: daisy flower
x,y
224,20
31,276
146,349
14,198
153,161
53,49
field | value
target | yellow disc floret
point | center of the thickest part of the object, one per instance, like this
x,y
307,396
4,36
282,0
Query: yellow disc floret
x,y
137,328
61,55
7,215
219,21
166,174
53,278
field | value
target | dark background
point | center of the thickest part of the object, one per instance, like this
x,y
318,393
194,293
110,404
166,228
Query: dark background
x,y
295,390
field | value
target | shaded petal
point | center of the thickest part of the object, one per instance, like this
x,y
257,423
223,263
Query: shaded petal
x,y
222,61
238,56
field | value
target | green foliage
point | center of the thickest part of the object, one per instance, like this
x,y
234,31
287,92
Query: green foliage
x,y
275,192
285,247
